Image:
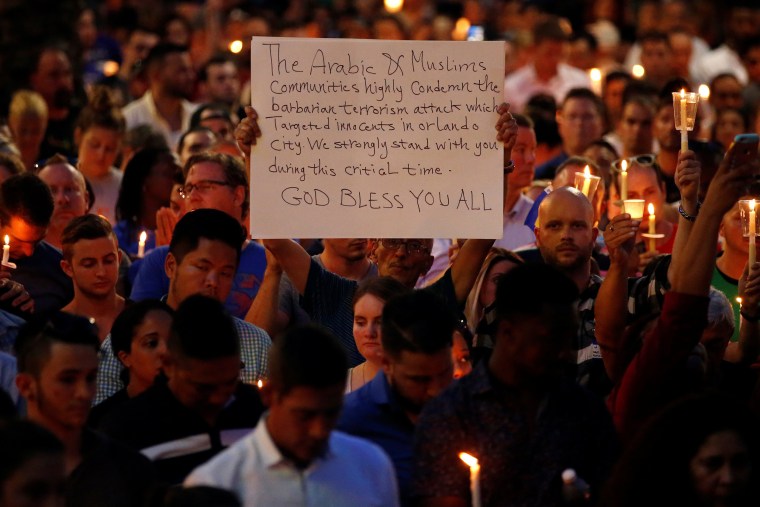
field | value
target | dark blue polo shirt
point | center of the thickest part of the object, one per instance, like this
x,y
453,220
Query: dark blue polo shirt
x,y
373,412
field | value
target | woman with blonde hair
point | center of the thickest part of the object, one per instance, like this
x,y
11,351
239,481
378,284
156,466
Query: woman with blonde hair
x,y
27,119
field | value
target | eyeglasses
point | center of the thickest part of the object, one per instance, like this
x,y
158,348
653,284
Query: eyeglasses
x,y
412,246
645,160
202,186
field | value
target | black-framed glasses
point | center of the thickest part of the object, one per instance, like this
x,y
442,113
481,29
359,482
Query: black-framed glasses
x,y
412,246
202,186
644,160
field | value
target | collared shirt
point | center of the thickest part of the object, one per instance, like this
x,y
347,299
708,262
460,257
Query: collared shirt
x,y
719,60
254,352
523,84
516,233
521,460
373,413
143,112
351,472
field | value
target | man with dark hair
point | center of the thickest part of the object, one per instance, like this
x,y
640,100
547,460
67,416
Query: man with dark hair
x,y
216,117
31,466
517,413
546,73
201,406
91,259
212,181
580,120
219,82
203,256
516,204
57,366
52,77
417,331
657,58
26,206
293,456
165,105
195,140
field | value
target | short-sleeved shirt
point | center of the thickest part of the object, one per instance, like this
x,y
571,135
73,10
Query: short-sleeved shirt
x,y
521,460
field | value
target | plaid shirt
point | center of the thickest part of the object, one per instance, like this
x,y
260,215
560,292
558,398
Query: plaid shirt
x,y
254,352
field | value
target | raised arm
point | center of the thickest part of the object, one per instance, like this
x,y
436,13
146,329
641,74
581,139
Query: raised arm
x,y
687,178
610,307
466,265
295,261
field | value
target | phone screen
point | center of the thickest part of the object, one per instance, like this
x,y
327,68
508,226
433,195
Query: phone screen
x,y
476,33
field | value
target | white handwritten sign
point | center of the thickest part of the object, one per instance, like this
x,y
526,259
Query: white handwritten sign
x,y
376,138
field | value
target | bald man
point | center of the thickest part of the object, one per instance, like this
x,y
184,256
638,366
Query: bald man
x,y
69,195
566,237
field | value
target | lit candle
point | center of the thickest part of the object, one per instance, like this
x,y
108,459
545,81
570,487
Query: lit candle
x,y
624,180
752,233
260,383
141,245
472,462
684,132
586,181
652,228
394,6
6,250
596,80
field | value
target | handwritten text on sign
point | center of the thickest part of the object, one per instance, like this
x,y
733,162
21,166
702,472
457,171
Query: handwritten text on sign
x,y
376,138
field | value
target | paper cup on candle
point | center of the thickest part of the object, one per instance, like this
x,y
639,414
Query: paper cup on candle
x,y
635,208
685,109
586,183
745,207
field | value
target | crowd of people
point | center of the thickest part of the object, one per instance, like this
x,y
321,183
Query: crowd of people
x,y
153,353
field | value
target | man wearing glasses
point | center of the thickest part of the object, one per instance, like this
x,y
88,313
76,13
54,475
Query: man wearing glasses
x,y
212,181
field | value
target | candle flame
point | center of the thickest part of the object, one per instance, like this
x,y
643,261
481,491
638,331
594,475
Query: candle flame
x,y
260,384
143,236
650,208
751,206
236,46
704,91
460,29
739,300
586,172
469,459
624,165
637,71
7,240
683,93
595,74
394,6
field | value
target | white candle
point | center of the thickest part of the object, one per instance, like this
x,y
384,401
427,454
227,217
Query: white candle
x,y
652,228
624,180
752,235
684,132
472,462
6,250
586,181
141,245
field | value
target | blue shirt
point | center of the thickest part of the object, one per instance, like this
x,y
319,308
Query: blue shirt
x,y
373,412
151,281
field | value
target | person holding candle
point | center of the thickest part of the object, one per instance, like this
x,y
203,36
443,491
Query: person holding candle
x,y
26,207
518,413
146,188
91,258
